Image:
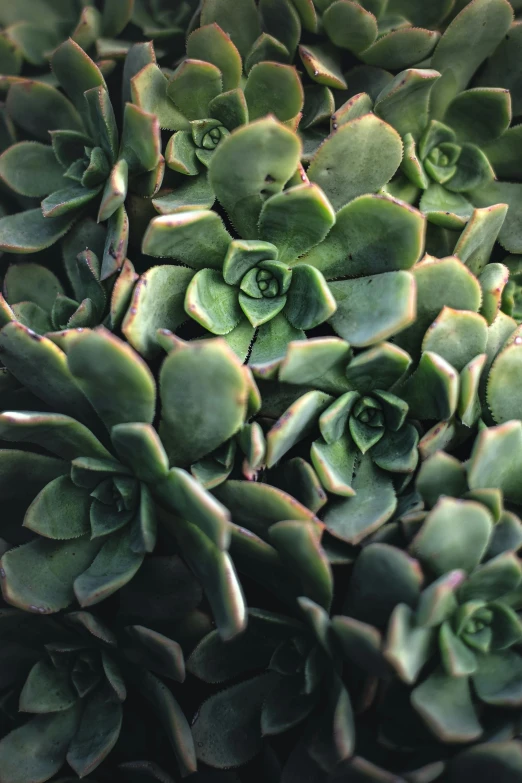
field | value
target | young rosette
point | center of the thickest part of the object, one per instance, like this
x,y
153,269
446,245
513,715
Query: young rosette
x,y
299,683
32,30
106,477
269,287
447,619
85,161
35,297
76,680
458,142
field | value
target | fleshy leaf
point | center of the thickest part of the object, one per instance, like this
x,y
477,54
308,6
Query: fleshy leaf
x,y
251,164
445,705
364,153
198,239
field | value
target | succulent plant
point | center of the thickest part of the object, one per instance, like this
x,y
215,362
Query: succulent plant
x,y
37,299
260,408
67,679
84,161
96,507
33,29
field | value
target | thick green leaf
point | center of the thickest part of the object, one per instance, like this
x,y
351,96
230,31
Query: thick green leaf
x,y
295,424
401,48
158,652
60,511
149,92
404,102
259,506
444,545
322,63
29,231
252,163
217,306
349,25
113,377
383,576
97,733
36,751
42,367
114,566
194,424
504,381
157,303
212,44
31,169
23,474
372,309
241,23
472,36
198,239
47,689
173,720
76,72
365,154
39,108
296,220
496,460
478,238
273,88
39,576
354,518
480,115
227,728
457,336
445,704
372,234
193,85
408,645
139,446
59,434
299,546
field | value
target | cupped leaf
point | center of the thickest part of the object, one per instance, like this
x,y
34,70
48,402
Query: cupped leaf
x,y
372,234
194,424
252,163
31,169
47,689
193,85
299,545
115,380
504,381
212,44
30,231
62,435
296,220
349,25
496,460
404,101
60,511
273,88
197,238
36,751
39,108
393,297
97,733
456,335
157,303
39,576
149,91
322,64
408,645
295,423
217,306
241,23
445,704
360,157
227,729
114,566
76,72
444,545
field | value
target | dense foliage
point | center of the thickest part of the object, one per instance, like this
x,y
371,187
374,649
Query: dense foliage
x,y
261,391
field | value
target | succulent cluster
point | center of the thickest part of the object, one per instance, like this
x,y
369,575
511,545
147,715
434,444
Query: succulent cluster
x,y
260,391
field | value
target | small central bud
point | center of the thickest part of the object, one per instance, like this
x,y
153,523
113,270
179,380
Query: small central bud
x,y
267,284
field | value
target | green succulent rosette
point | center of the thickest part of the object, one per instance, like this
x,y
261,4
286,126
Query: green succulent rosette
x,y
107,478
71,683
32,29
86,160
269,287
35,296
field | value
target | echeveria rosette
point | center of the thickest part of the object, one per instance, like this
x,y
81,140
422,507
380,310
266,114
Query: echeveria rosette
x,y
70,679
297,658
457,137
456,639
379,33
85,160
163,20
204,100
99,497
293,242
34,28
35,297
